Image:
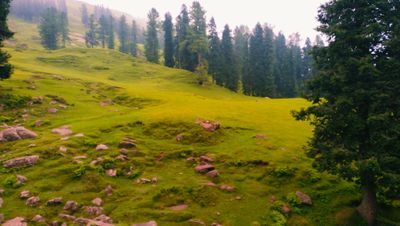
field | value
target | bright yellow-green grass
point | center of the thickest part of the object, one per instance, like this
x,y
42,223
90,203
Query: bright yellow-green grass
x,y
153,104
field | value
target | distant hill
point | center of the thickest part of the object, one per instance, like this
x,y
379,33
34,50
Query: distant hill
x,y
27,33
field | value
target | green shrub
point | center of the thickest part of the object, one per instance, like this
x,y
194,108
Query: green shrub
x,y
277,218
10,182
79,172
10,102
285,171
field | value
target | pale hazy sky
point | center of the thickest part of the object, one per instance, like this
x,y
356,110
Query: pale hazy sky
x,y
288,16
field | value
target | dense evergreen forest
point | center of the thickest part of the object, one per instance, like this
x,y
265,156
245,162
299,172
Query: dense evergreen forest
x,y
256,62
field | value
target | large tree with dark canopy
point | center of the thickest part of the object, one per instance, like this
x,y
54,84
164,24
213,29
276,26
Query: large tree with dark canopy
x,y
214,53
151,45
5,33
229,67
168,41
355,96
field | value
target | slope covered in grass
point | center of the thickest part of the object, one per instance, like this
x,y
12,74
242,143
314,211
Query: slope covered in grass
x,y
153,104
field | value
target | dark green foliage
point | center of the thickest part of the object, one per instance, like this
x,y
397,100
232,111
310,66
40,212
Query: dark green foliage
x,y
151,45
197,39
53,29
103,30
91,38
168,41
5,33
123,34
133,43
229,72
110,33
355,96
183,56
85,15
214,53
9,101
241,50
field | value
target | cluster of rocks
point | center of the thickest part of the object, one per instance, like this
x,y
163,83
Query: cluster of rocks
x,y
205,166
13,133
285,208
63,131
210,126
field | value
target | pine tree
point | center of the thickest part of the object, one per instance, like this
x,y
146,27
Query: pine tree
x,y
308,62
5,33
355,97
133,42
64,27
123,35
49,29
168,41
110,33
229,70
91,35
256,63
280,64
197,37
85,15
268,88
151,45
103,30
182,54
214,53
240,49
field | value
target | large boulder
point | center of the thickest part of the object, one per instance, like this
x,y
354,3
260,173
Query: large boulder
x,y
55,201
94,210
21,161
71,206
16,133
18,221
33,201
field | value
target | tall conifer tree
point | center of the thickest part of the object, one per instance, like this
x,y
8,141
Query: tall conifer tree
x,y
5,33
168,41
151,45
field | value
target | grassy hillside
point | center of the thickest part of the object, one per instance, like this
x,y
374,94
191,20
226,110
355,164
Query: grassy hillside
x,y
105,96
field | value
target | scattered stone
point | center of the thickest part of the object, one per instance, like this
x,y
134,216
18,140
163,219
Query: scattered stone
x,y
304,198
21,161
71,206
206,159
97,201
57,223
39,123
213,174
53,102
16,133
94,210
227,188
21,179
106,103
111,172
210,126
238,198
104,218
79,135
191,159
124,151
66,217
196,222
154,180
18,221
2,191
96,161
52,110
81,221
286,209
108,190
33,201
122,158
150,223
204,168
179,207
211,184
63,106
273,199
63,149
37,100
38,219
260,136
1,218
80,157
55,201
127,143
179,138
1,202
31,145
24,194
101,147
62,131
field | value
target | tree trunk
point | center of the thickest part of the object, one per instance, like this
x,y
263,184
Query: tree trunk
x,y
368,208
